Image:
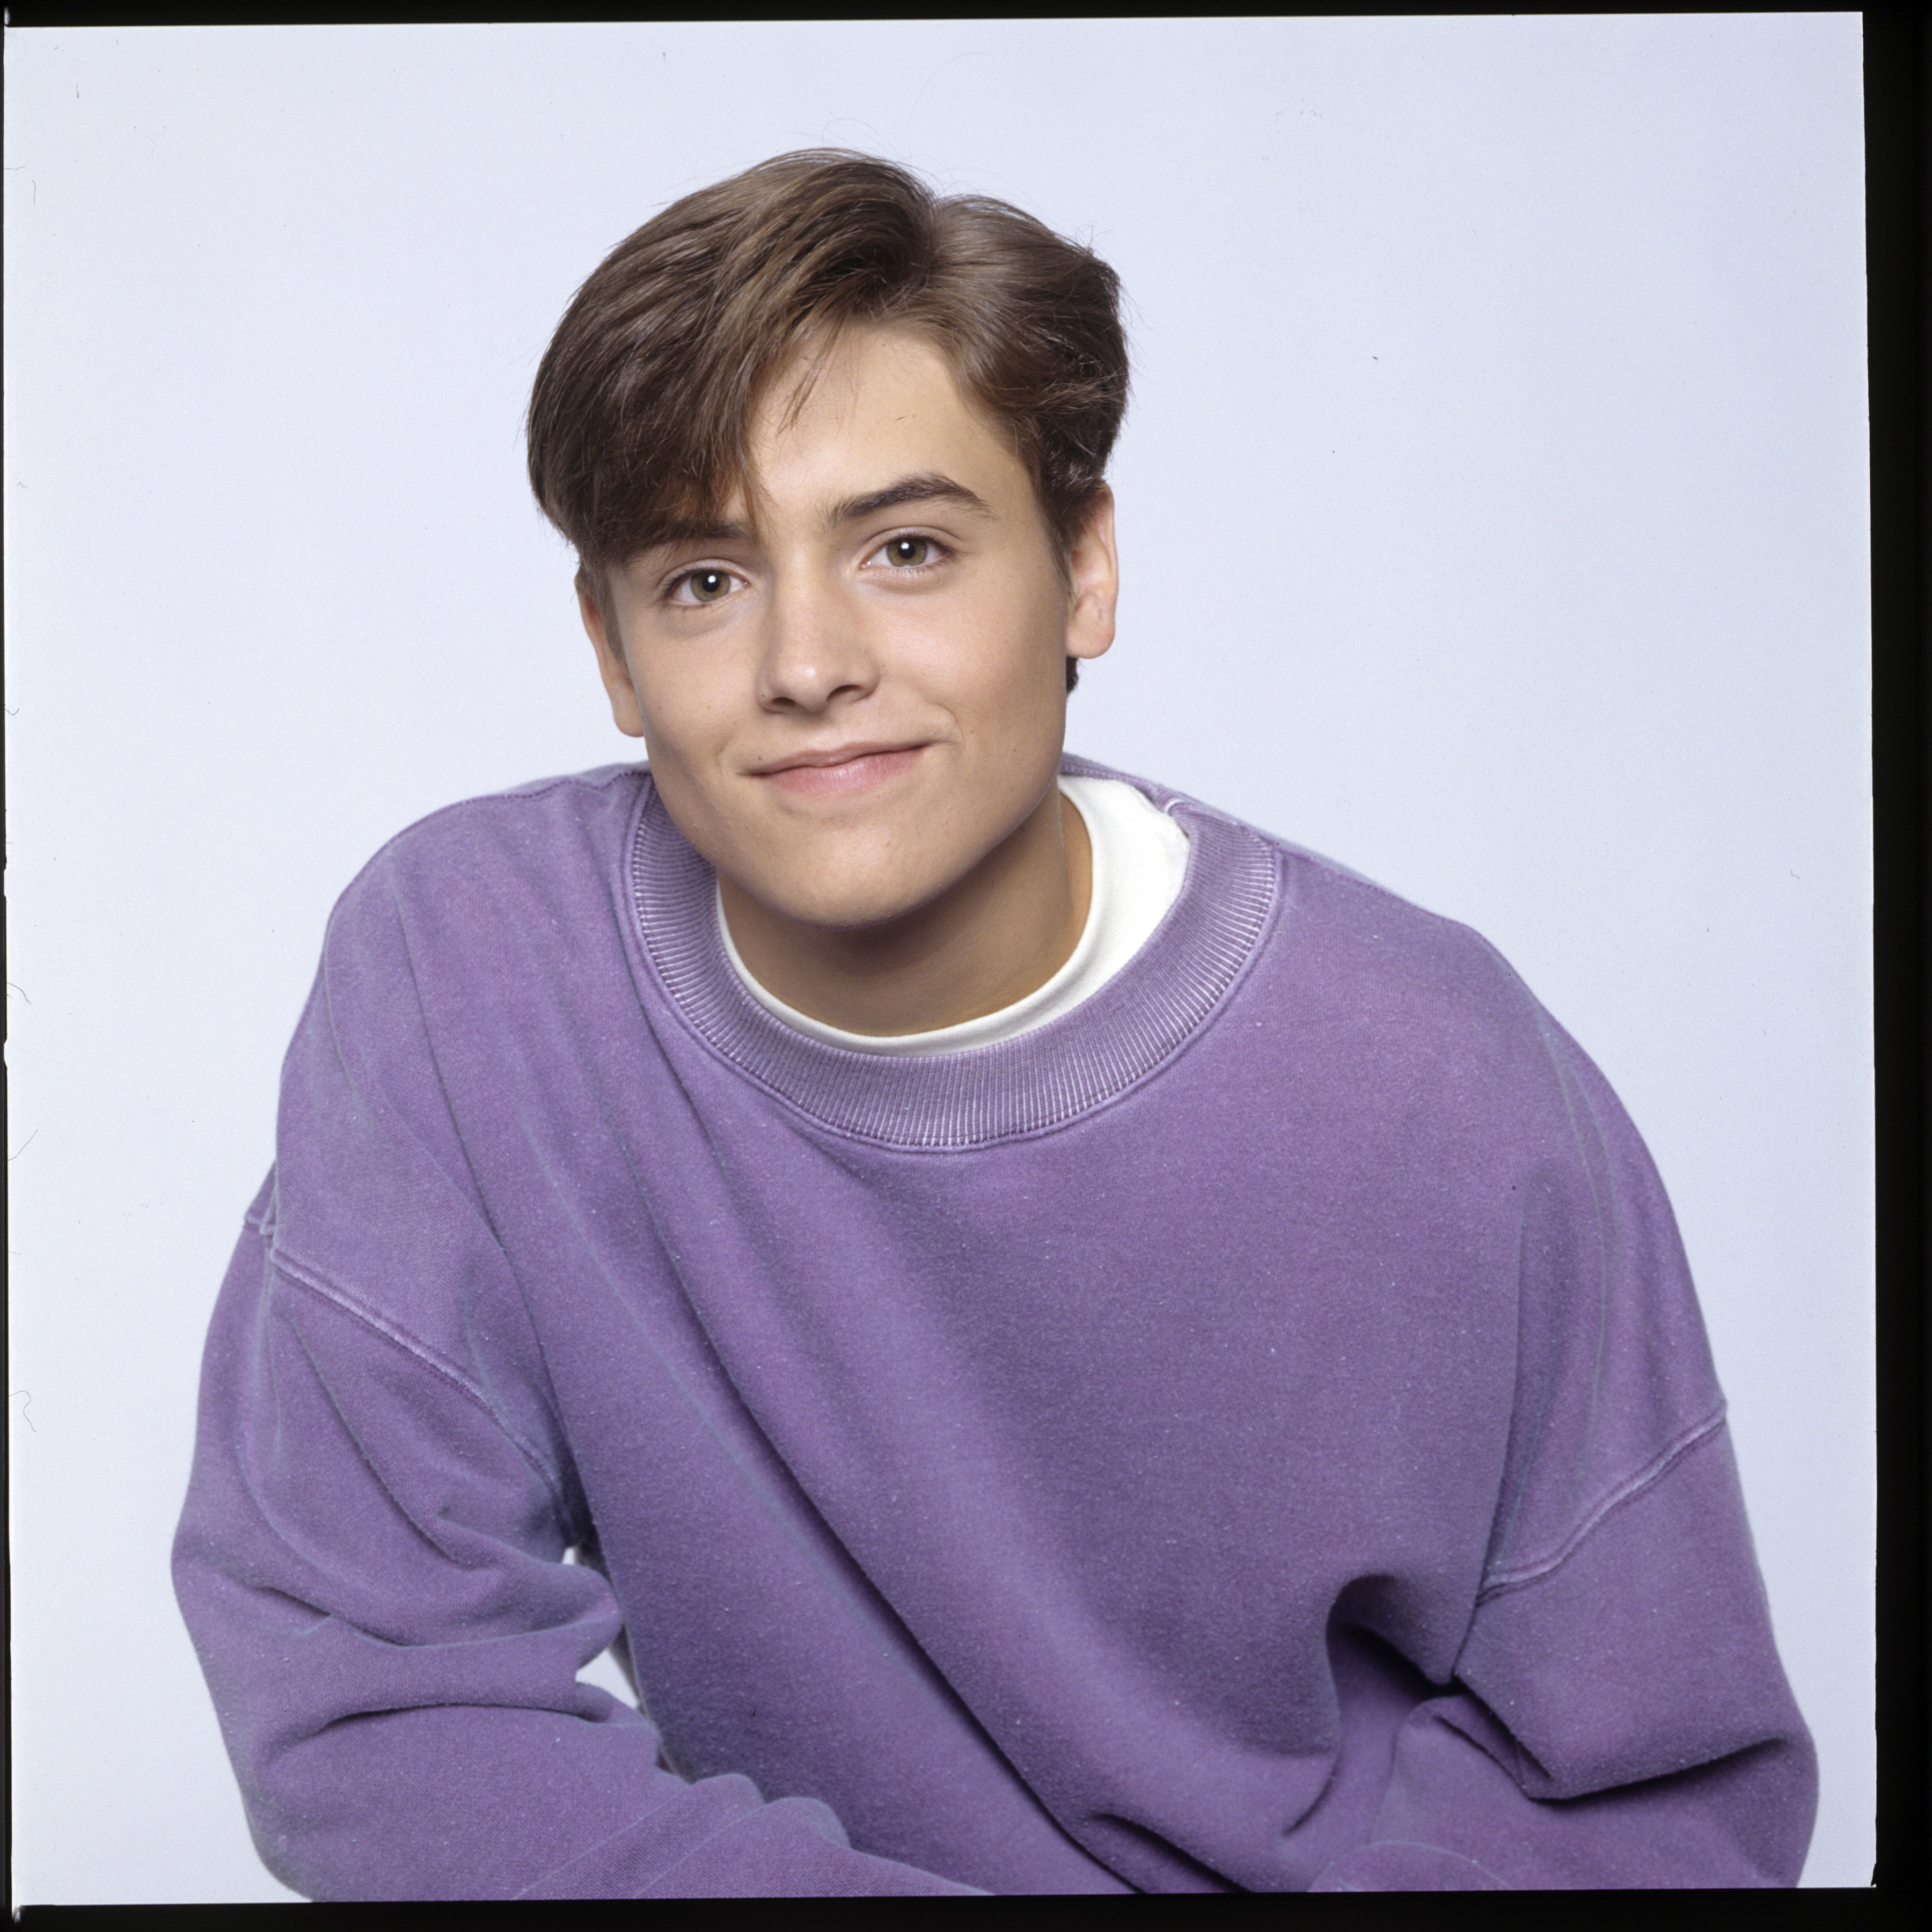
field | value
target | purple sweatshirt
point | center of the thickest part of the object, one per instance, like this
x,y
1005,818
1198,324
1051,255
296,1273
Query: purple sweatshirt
x,y
1255,1431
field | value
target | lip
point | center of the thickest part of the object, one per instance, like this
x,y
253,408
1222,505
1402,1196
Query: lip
x,y
832,754
839,770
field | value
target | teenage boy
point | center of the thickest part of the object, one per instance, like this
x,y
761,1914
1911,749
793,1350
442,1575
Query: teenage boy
x,y
1073,1346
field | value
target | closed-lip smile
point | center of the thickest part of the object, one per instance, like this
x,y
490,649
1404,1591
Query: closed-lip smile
x,y
832,756
837,771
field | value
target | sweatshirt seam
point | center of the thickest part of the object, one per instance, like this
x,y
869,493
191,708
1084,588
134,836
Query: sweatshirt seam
x,y
1589,1142
400,1338
1565,1088
629,1829
1518,1575
1436,1851
764,1807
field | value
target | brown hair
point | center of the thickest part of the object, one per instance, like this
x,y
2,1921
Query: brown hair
x,y
639,417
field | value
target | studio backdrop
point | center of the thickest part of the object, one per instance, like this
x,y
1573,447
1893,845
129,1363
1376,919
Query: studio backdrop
x,y
1492,519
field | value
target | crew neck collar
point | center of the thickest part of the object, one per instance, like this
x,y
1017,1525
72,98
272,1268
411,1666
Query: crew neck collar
x,y
1028,1084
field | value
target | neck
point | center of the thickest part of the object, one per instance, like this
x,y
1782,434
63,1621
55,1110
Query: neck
x,y
996,935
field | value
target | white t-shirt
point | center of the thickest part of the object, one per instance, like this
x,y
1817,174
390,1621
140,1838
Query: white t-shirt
x,y
1140,858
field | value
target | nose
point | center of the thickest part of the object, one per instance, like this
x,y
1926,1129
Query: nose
x,y
814,653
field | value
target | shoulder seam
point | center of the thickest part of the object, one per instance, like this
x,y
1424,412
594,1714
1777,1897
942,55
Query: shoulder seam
x,y
401,1339
1519,1575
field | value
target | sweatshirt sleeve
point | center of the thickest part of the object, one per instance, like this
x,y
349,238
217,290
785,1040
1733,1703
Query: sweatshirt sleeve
x,y
374,1573
1622,1721
373,1560
1617,1716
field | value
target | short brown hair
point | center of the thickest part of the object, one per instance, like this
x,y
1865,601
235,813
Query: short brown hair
x,y
640,416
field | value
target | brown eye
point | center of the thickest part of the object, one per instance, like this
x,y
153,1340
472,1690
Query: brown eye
x,y
707,586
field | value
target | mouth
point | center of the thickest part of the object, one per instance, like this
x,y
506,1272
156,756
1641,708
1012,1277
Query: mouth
x,y
839,770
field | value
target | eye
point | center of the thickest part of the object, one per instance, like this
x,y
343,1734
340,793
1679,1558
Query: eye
x,y
702,587
907,553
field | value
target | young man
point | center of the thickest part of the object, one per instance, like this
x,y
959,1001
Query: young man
x,y
1075,1347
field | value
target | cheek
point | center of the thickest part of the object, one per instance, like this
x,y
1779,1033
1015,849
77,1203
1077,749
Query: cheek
x,y
1005,647
1033,661
686,719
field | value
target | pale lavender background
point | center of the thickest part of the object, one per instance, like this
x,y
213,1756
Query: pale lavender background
x,y
1493,514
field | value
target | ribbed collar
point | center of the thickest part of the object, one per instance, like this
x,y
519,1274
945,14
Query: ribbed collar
x,y
1026,1085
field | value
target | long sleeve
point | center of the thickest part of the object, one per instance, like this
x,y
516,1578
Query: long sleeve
x,y
372,1568
1620,1722
1617,1714
372,1558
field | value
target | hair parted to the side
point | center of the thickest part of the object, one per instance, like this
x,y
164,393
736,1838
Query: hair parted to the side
x,y
641,415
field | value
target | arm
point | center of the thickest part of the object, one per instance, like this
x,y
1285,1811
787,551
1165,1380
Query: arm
x,y
371,1559
372,1568
1616,1715
1620,1720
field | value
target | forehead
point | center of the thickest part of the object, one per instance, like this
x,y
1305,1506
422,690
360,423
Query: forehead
x,y
873,400
873,418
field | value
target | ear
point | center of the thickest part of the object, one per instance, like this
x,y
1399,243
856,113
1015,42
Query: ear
x,y
1094,565
611,665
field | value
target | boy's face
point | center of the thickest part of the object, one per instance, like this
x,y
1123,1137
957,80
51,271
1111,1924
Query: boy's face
x,y
850,703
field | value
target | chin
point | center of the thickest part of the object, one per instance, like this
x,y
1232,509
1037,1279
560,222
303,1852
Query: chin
x,y
851,898
843,882
853,910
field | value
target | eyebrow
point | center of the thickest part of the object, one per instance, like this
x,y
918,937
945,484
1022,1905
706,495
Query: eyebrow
x,y
682,533
931,487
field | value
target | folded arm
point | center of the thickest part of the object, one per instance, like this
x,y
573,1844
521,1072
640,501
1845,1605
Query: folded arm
x,y
372,1568
1617,1719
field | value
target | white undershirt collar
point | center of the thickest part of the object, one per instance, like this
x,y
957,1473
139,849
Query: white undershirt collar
x,y
1140,860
